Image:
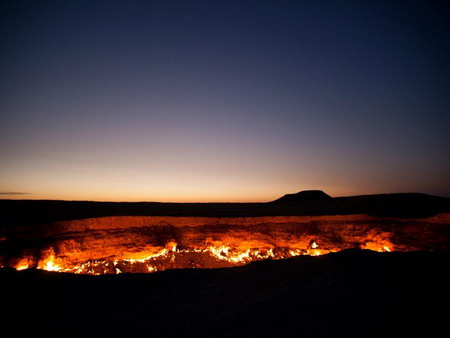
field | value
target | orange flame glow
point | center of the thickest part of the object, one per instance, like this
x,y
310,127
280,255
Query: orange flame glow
x,y
114,245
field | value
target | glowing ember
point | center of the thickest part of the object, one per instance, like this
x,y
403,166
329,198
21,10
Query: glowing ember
x,y
114,245
24,263
22,267
49,265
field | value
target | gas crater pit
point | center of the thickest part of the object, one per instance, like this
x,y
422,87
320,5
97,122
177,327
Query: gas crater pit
x,y
135,244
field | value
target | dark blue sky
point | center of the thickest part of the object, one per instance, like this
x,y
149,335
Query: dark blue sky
x,y
223,100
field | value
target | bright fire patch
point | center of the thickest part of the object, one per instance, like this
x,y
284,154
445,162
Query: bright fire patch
x,y
112,245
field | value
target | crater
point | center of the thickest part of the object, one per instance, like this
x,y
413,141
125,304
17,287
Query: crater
x,y
137,244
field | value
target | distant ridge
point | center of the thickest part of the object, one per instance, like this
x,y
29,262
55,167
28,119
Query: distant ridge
x,y
305,196
304,203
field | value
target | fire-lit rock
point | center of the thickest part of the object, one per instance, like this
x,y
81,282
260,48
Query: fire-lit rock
x,y
108,245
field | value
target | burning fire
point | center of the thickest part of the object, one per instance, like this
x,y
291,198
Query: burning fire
x,y
114,245
226,255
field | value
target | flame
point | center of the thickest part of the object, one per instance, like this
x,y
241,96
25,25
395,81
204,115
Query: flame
x,y
24,263
166,257
151,261
49,264
103,247
156,261
22,267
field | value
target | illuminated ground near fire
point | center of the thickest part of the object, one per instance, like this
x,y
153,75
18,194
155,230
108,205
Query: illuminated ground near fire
x,y
132,244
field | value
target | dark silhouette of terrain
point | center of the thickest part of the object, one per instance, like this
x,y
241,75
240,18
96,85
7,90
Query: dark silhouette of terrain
x,y
28,212
306,196
352,293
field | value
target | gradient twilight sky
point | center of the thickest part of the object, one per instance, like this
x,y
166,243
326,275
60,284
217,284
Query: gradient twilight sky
x,y
223,100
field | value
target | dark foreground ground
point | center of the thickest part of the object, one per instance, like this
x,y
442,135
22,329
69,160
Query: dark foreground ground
x,y
353,293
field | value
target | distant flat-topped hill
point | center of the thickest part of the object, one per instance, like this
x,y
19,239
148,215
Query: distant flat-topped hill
x,y
304,196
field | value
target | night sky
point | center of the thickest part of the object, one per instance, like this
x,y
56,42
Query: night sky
x,y
223,100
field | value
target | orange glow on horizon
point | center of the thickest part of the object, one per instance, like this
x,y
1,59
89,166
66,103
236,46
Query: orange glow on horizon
x,y
221,196
182,182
